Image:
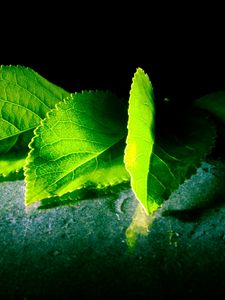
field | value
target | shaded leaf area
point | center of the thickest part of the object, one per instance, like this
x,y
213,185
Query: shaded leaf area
x,y
13,162
178,153
213,103
140,138
78,145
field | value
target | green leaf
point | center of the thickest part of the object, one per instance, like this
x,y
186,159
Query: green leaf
x,y
12,163
78,145
140,136
25,98
214,103
177,154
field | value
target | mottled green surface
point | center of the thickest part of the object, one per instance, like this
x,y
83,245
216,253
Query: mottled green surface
x,y
80,251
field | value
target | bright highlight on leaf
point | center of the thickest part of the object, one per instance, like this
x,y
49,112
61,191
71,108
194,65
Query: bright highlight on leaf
x,y
140,138
25,98
78,145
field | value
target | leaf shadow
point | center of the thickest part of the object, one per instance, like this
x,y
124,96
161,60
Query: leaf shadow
x,y
81,195
194,214
54,202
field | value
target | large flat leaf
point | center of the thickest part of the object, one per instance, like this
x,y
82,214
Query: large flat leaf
x,y
25,98
140,137
78,145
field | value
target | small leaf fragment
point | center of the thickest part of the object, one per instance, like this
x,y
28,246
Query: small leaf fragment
x,y
11,163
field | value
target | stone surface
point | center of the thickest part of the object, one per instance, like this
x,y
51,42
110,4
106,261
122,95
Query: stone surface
x,y
84,251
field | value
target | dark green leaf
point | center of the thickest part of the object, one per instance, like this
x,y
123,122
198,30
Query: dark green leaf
x,y
177,155
214,103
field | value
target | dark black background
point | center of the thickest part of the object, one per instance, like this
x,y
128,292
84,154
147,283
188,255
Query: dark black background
x,y
180,69
181,48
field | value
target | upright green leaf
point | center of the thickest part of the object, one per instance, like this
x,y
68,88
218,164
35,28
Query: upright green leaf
x,y
140,136
214,103
157,168
178,154
25,98
78,145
